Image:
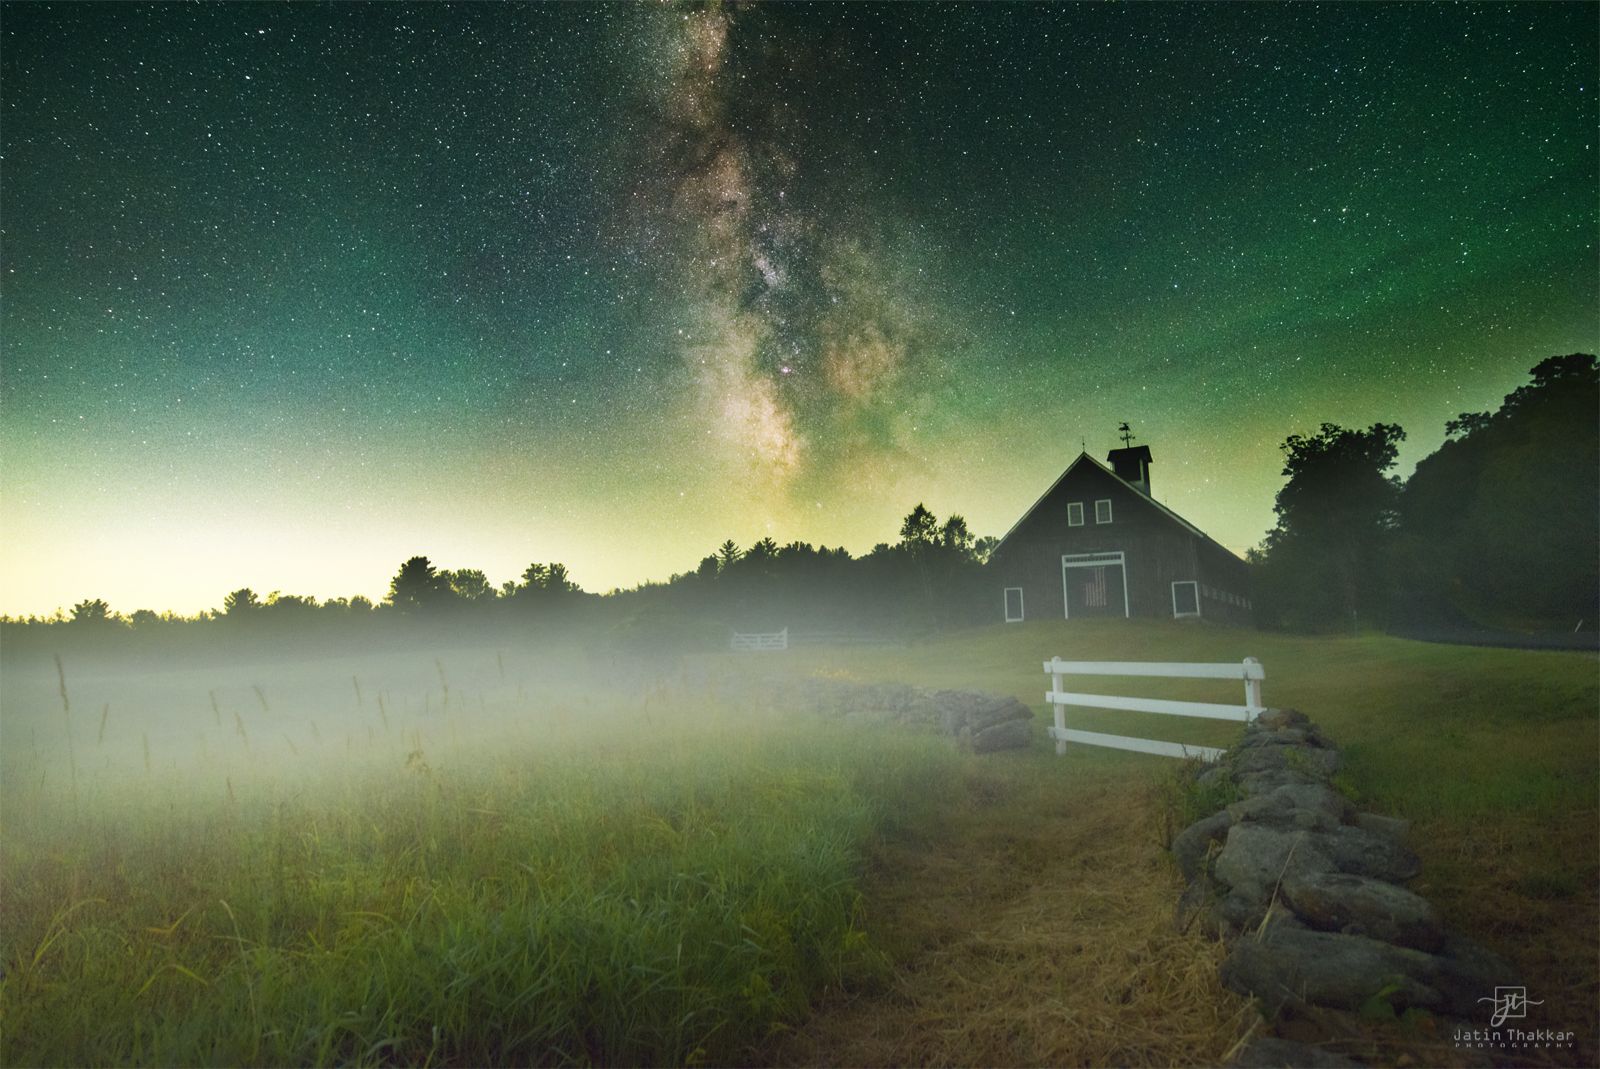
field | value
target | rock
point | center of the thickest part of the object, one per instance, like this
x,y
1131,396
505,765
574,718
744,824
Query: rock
x,y
1008,735
962,711
1359,905
1256,856
1393,827
1288,967
1277,719
1311,760
1191,845
1306,736
1270,1052
1364,853
1468,973
1212,776
1270,780
1303,805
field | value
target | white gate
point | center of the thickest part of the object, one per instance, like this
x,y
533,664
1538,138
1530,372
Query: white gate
x,y
776,640
1249,670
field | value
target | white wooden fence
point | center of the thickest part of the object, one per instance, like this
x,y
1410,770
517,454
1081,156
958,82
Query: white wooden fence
x,y
1249,670
777,640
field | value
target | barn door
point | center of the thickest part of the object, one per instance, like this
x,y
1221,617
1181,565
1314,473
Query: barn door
x,y
1094,585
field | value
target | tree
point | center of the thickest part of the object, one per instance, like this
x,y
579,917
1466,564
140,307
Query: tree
x,y
558,581
93,613
469,584
1502,523
1325,562
955,535
727,554
920,528
417,586
240,603
984,548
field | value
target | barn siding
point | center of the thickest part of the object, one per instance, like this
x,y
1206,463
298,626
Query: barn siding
x,y
1157,550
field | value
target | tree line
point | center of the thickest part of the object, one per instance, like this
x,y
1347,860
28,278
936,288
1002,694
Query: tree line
x,y
926,579
1499,527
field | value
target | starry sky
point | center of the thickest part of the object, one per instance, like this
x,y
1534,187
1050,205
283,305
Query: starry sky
x,y
293,292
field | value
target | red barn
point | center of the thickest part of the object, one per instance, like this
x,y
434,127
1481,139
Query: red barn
x,y
1098,545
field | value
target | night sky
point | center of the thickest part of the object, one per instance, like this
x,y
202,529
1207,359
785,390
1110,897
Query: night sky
x,y
293,292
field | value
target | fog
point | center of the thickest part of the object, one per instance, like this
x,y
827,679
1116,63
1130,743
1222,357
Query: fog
x,y
92,726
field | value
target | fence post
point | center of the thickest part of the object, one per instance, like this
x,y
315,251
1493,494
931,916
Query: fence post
x,y
1252,689
1060,710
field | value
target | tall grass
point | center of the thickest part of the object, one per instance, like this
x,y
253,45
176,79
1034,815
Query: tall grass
x,y
639,894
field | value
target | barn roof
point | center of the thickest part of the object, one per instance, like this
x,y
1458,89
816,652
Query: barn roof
x,y
1168,513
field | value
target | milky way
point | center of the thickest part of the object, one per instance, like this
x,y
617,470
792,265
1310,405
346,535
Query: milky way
x,y
803,343
293,292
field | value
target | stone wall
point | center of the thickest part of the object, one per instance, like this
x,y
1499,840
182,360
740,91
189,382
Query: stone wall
x,y
1309,894
980,722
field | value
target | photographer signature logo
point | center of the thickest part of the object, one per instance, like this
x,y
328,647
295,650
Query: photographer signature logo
x,y
1508,1002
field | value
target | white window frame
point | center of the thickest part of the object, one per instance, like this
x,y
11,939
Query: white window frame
x,y
1005,597
1176,583
1074,507
1094,560
1106,501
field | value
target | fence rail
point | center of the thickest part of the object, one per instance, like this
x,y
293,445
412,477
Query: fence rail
x,y
776,640
1249,671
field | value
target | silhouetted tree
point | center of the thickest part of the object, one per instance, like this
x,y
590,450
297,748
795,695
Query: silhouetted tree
x,y
240,603
727,554
920,528
417,586
1503,521
557,581
469,584
984,548
1325,562
955,535
92,613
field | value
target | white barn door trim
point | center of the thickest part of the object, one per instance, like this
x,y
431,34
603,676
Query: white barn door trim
x,y
1093,560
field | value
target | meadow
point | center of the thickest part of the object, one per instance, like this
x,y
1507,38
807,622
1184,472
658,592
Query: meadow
x,y
504,856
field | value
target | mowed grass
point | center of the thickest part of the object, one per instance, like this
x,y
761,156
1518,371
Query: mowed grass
x,y
654,889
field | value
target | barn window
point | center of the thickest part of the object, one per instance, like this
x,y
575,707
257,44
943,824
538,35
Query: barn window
x,y
1102,510
1013,604
1185,598
1074,513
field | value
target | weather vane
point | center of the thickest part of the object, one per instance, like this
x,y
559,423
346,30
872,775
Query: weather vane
x,y
1127,435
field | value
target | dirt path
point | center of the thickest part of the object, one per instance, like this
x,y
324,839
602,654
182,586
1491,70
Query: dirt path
x,y
1035,928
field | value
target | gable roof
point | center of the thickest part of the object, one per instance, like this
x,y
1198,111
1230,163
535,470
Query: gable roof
x,y
1168,513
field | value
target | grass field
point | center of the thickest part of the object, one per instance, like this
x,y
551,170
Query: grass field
x,y
453,861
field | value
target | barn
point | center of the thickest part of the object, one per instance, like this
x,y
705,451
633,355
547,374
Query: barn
x,y
1098,545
